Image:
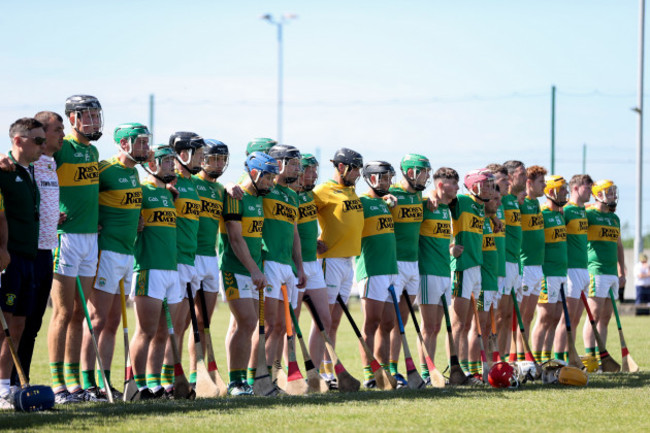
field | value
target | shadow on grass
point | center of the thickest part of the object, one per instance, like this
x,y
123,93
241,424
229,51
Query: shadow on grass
x,y
85,412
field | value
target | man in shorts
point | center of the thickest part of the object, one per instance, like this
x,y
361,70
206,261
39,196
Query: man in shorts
x,y
575,216
549,306
155,277
606,259
240,254
340,216
435,250
22,199
76,253
532,250
407,216
376,267
468,215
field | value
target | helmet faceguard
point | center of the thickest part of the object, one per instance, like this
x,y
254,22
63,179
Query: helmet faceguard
x,y
138,139
351,160
87,119
163,166
379,176
263,165
503,375
420,168
605,191
191,142
309,174
480,183
556,190
215,158
290,157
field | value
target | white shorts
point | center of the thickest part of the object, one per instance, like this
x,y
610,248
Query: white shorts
x,y
278,274
486,299
157,284
409,278
207,269
376,287
599,285
188,274
550,293
432,287
531,281
339,276
76,255
111,268
501,282
314,274
578,281
237,286
513,279
467,282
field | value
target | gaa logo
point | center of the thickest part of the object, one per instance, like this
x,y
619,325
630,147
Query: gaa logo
x,y
11,299
101,282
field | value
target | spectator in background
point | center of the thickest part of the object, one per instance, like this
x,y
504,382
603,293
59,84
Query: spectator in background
x,y
642,280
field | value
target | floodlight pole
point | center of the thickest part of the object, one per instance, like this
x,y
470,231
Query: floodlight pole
x,y
638,229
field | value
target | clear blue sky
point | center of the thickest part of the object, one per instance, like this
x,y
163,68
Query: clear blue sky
x,y
465,82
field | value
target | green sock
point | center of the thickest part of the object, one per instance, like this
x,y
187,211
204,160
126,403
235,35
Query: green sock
x,y
558,355
250,376
504,358
367,373
537,355
235,375
464,364
88,379
392,366
140,381
153,382
72,381
385,367
100,379
167,376
425,370
474,367
193,376
590,351
57,375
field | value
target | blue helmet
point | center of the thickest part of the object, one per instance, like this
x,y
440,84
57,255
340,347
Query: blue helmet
x,y
261,162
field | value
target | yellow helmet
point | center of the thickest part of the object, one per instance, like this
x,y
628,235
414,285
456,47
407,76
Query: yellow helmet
x,y
572,376
604,185
590,362
554,185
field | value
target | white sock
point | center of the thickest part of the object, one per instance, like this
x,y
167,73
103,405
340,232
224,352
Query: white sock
x,y
5,387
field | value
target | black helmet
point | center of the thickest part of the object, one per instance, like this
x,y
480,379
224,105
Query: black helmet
x,y
284,151
184,140
348,157
79,103
215,147
379,168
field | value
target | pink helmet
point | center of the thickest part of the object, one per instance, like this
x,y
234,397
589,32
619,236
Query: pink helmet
x,y
478,182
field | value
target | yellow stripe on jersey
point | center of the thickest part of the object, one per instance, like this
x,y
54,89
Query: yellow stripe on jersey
x,y
159,217
187,208
603,233
555,234
440,229
489,244
121,198
468,222
78,174
513,217
307,213
410,213
532,222
378,225
251,227
280,211
210,208
578,226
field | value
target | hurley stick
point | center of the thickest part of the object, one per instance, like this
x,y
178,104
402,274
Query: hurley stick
x,y
130,388
296,384
607,362
182,387
315,383
213,370
414,379
628,364
493,345
384,380
437,379
480,339
263,384
574,358
456,374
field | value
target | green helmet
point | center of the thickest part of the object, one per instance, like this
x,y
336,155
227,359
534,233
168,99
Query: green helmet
x,y
260,145
162,150
308,160
131,132
417,163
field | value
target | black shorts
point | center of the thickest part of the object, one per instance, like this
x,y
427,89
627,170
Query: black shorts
x,y
18,286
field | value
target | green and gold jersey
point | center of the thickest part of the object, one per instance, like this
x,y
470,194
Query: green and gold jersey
x,y
78,173
249,212
307,225
603,234
280,216
435,237
500,239
155,245
532,233
340,216
120,200
407,216
378,254
188,209
513,227
490,265
576,230
467,222
211,196
555,241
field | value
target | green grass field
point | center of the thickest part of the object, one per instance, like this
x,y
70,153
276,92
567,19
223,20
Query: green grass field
x,y
611,402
